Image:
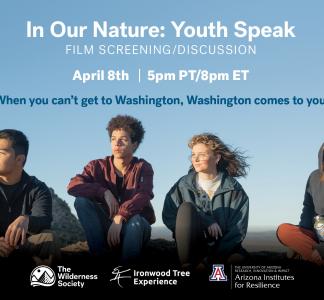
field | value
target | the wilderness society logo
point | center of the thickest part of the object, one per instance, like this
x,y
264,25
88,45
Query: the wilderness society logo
x,y
42,276
64,277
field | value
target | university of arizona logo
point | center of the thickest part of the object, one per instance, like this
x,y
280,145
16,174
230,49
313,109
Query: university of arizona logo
x,y
218,273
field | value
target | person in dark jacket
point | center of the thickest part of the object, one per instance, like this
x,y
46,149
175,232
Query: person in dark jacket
x,y
207,210
302,239
25,204
113,195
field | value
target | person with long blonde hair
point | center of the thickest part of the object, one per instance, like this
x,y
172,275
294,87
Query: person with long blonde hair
x,y
207,209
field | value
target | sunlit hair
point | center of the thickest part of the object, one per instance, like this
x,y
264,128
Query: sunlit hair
x,y
232,161
130,124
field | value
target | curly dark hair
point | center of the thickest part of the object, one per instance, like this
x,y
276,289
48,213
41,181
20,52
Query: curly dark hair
x,y
130,124
232,162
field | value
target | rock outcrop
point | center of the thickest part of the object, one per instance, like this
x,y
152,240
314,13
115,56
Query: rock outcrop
x,y
66,226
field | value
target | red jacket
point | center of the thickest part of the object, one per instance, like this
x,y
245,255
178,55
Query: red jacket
x,y
99,175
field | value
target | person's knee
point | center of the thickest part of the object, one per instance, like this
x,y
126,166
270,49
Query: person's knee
x,y
82,203
135,218
186,206
187,213
284,232
137,224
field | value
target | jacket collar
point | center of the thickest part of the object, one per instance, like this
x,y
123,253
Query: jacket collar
x,y
25,179
23,183
111,168
227,182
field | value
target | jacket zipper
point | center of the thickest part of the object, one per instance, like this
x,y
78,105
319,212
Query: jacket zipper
x,y
5,197
16,196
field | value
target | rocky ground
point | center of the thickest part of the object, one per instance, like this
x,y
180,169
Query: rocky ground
x,y
261,245
160,253
65,224
72,239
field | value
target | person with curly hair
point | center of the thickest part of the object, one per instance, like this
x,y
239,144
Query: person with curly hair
x,y
207,209
113,195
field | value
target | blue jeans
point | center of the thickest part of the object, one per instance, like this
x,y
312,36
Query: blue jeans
x,y
135,233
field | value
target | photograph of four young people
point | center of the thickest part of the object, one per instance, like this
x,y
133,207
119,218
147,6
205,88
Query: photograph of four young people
x,y
206,209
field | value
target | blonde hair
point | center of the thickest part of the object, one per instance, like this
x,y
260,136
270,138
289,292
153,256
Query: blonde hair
x,y
231,162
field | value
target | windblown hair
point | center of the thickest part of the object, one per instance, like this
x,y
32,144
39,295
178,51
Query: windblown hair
x,y
130,124
232,162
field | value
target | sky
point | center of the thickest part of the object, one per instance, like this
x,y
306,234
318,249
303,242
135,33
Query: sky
x,y
281,141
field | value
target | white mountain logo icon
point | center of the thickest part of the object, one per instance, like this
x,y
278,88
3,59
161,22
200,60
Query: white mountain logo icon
x,y
42,276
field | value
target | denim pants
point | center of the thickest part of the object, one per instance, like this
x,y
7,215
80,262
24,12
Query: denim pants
x,y
135,233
